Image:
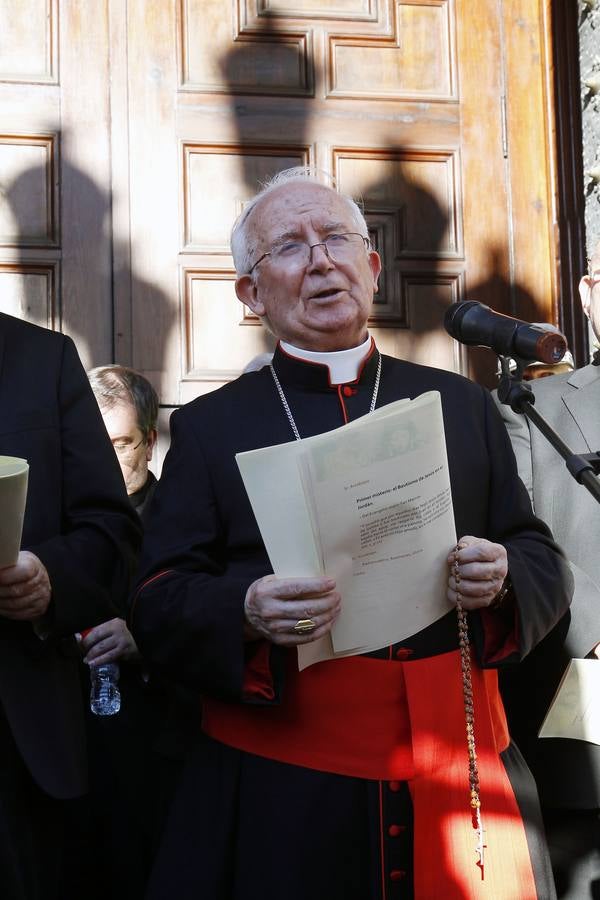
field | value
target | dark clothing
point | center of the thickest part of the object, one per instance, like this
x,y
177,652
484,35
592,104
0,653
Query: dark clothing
x,y
135,760
79,523
243,827
202,552
31,828
574,844
141,499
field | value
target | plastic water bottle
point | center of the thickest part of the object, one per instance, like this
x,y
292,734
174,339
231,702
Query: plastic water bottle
x,y
105,696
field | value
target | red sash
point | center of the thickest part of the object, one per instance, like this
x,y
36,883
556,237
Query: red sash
x,y
402,721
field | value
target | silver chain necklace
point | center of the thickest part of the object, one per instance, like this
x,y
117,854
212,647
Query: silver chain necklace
x,y
286,405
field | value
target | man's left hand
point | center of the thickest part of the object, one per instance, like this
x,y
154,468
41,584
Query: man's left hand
x,y
24,589
477,572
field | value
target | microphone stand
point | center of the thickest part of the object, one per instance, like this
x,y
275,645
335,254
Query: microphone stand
x,y
513,392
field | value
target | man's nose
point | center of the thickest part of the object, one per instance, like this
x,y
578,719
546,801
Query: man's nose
x,y
320,258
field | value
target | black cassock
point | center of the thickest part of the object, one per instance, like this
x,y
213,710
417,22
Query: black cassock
x,y
244,826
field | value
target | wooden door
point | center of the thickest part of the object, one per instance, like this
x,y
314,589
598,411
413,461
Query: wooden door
x,y
431,111
55,162
132,134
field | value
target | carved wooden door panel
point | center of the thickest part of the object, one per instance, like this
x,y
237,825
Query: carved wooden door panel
x,y
55,223
131,134
401,101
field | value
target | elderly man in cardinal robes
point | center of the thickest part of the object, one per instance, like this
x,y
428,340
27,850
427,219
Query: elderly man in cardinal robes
x,y
356,778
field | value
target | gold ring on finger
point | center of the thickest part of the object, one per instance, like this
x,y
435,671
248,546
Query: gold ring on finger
x,y
304,626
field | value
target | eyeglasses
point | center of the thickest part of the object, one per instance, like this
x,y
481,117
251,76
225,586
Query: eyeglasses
x,y
295,255
122,449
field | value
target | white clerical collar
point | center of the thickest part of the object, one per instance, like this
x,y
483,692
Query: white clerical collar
x,y
344,365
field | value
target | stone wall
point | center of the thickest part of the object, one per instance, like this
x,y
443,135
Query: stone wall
x,y
589,55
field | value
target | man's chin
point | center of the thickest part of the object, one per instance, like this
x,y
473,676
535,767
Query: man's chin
x,y
133,485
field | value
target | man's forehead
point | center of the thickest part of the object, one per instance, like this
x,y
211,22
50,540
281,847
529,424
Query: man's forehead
x,y
290,204
120,415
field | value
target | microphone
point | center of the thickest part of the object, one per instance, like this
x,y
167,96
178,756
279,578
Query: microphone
x,y
474,324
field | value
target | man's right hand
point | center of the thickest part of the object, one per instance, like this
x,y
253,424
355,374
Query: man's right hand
x,y
109,642
25,589
273,606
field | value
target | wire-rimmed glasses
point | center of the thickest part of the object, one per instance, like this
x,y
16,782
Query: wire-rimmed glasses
x,y
295,255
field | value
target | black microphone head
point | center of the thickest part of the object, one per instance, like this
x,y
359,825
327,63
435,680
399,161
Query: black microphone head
x,y
475,324
455,314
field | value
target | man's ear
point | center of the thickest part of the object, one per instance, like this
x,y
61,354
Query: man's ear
x,y
375,266
245,288
585,291
151,443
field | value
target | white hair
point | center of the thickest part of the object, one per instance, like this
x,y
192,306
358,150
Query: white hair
x,y
243,248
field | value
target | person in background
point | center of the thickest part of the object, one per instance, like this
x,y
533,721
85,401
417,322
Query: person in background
x,y
320,784
135,754
79,547
129,407
543,370
567,771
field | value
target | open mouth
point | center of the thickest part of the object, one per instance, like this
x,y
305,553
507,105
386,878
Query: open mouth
x,y
326,293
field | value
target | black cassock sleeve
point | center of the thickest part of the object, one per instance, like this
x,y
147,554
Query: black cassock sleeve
x,y
187,614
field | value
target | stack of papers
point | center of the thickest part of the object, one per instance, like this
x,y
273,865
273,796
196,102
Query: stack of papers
x,y
13,494
369,505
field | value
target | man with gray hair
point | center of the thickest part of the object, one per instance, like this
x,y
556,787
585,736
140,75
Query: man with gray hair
x,y
129,407
348,779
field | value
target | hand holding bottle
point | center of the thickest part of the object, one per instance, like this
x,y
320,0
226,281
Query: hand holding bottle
x,y
103,646
108,642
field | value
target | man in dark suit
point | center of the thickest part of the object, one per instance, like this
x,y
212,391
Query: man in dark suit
x,y
80,538
567,771
348,779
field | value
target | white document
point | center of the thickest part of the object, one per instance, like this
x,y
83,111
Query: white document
x,y
575,709
383,508
368,504
13,494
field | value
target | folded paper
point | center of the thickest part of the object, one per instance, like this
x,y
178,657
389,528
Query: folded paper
x,y
575,709
370,505
13,495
